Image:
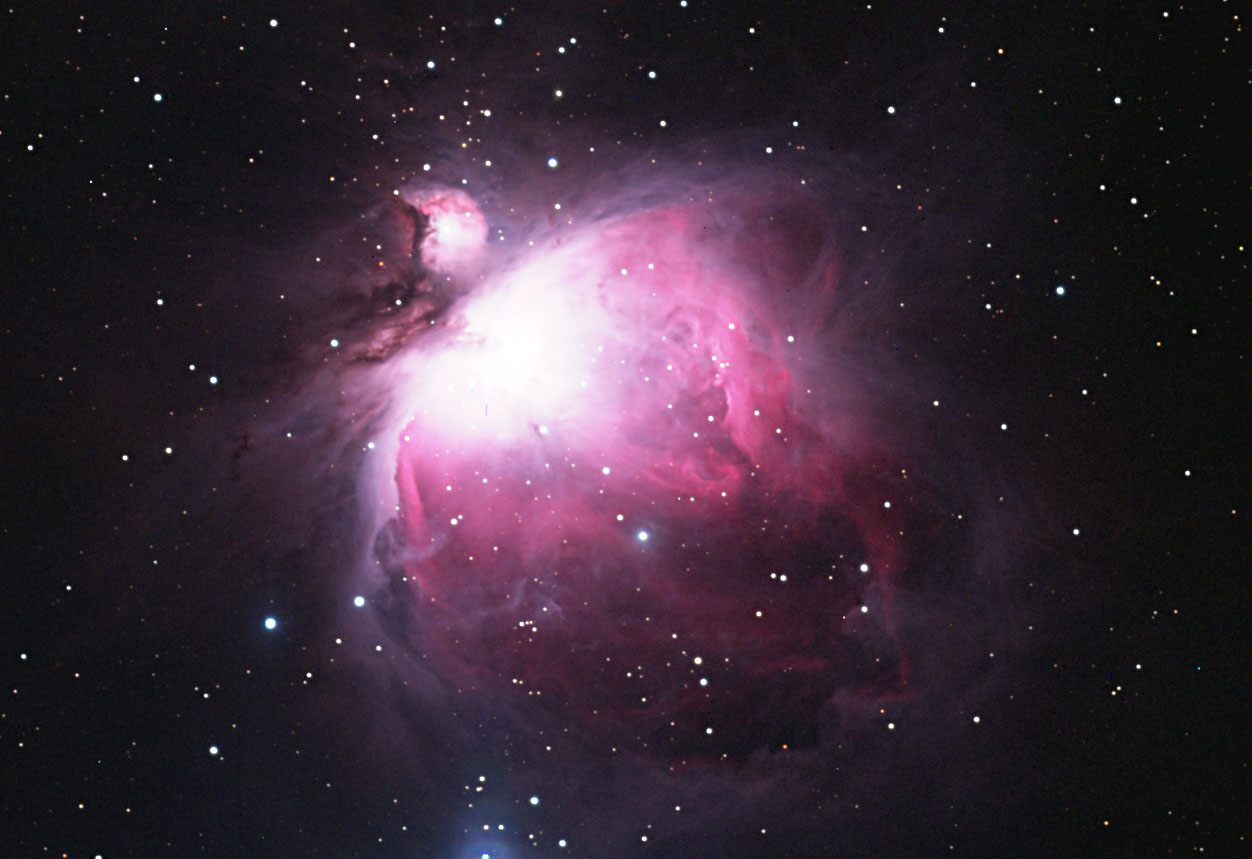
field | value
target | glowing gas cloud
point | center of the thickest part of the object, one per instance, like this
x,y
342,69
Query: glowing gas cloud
x,y
621,453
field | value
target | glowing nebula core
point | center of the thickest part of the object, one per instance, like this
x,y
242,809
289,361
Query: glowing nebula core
x,y
631,494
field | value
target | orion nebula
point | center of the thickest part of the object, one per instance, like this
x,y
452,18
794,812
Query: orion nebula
x,y
634,496
638,491
675,430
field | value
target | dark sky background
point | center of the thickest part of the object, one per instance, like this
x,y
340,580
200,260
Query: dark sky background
x,y
1035,215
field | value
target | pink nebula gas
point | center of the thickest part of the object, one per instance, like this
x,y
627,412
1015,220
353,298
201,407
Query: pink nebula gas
x,y
633,499
454,229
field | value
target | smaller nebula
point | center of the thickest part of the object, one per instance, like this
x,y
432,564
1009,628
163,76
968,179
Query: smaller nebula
x,y
450,230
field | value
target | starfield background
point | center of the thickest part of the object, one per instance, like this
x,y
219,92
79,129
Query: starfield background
x,y
684,429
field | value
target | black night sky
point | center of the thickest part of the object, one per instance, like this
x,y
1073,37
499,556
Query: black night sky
x,y
624,429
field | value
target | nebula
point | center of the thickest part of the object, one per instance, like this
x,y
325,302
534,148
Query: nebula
x,y
640,494
632,496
